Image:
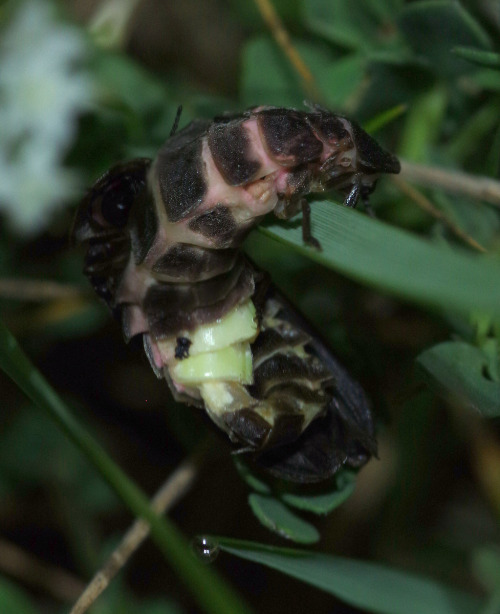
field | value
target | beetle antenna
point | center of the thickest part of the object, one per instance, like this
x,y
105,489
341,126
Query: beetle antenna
x,y
176,120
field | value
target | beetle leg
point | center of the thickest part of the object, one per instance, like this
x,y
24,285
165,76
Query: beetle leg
x,y
286,207
352,198
306,226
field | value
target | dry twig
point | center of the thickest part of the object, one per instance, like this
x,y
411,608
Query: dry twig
x,y
424,203
169,494
456,182
37,290
35,572
280,34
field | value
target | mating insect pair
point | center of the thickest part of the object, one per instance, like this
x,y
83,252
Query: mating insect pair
x,y
163,239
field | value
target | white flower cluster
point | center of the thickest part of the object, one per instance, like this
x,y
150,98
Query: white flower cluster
x,y
43,88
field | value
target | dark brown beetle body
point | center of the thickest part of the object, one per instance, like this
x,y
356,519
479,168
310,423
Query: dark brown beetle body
x,y
162,242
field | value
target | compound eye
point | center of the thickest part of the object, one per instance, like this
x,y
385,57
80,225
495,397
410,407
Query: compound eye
x,y
107,206
111,203
116,202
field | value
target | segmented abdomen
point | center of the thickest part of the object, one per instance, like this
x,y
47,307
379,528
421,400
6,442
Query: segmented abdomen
x,y
163,240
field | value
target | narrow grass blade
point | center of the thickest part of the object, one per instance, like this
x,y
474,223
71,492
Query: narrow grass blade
x,y
211,593
396,261
370,586
481,57
458,369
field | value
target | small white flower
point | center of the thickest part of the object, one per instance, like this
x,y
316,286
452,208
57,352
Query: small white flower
x,y
43,88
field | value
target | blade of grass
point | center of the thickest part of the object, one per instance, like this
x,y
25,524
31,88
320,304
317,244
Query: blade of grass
x,y
478,56
458,370
371,586
395,261
386,117
207,588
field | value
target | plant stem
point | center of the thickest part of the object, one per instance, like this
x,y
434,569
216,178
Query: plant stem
x,y
281,36
170,492
33,571
424,203
37,290
457,182
207,588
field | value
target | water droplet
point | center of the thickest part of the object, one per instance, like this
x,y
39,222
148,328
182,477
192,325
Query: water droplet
x,y
205,548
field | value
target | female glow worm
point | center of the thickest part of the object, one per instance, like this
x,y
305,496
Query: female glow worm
x,y
162,239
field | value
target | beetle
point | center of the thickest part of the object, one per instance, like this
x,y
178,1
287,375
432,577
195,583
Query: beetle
x,y
163,243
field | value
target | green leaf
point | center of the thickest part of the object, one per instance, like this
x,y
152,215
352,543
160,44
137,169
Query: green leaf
x,y
316,502
491,350
384,10
119,80
24,460
394,260
423,124
474,132
487,79
343,79
343,22
385,117
146,118
493,604
277,84
434,27
13,600
250,478
326,502
486,566
392,84
458,369
370,586
278,518
489,59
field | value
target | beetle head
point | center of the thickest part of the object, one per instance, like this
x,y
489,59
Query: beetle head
x,y
371,157
107,204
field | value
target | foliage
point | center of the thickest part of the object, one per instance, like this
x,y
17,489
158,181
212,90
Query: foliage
x,y
410,307
366,585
